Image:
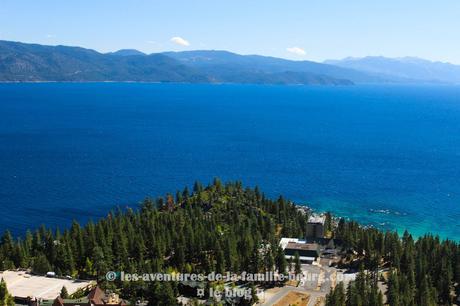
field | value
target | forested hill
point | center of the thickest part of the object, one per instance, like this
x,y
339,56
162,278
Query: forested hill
x,y
226,227
31,62
21,62
215,228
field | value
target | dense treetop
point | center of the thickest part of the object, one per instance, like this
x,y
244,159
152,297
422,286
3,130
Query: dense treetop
x,y
226,227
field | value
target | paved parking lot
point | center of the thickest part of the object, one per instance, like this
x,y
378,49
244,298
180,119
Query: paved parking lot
x,y
312,276
21,284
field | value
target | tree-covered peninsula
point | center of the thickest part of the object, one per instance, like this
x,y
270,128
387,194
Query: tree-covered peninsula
x,y
227,227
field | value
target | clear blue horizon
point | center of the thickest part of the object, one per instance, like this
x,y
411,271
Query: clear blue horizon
x,y
298,31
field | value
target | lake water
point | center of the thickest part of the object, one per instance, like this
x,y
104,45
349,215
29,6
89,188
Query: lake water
x,y
384,155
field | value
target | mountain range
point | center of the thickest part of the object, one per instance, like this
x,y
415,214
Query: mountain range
x,y
21,62
403,69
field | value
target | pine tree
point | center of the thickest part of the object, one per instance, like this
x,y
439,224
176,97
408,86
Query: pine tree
x,y
281,263
328,222
232,254
162,294
41,265
6,299
99,263
354,297
64,293
393,290
255,262
269,261
6,243
220,260
426,294
375,296
337,296
290,262
298,267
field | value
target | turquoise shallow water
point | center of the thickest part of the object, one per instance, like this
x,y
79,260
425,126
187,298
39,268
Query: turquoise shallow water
x,y
384,155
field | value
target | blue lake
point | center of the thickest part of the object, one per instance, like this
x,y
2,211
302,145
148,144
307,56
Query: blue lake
x,y
383,155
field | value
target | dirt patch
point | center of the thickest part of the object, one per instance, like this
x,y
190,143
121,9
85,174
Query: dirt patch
x,y
320,301
293,298
292,282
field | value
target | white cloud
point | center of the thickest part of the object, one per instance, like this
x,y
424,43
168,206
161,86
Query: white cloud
x,y
180,41
297,51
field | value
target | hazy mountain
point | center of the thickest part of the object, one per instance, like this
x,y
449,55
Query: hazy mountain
x,y
403,69
127,52
33,62
230,66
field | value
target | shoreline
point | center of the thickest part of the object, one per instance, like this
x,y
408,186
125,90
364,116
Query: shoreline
x,y
389,224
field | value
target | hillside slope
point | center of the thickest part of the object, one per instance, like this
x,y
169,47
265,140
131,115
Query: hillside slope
x,y
31,62
230,66
403,69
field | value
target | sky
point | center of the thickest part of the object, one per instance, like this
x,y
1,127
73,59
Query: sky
x,y
293,29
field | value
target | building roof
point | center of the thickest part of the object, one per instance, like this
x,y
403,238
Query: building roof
x,y
305,250
96,297
284,241
58,301
62,302
302,246
317,219
302,258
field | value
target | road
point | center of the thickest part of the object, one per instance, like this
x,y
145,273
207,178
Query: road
x,y
316,282
279,295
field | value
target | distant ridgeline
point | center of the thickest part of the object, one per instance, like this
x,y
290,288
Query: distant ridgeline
x,y
224,227
32,62
20,62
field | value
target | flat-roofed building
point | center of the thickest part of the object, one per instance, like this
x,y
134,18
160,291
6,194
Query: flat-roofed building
x,y
308,252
